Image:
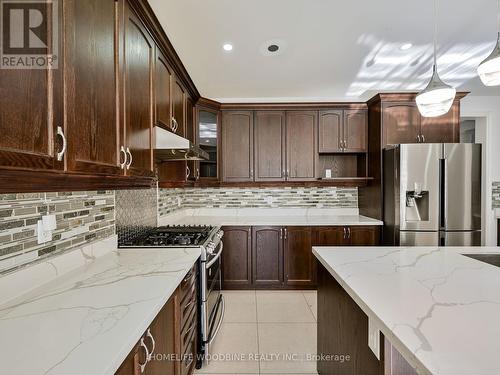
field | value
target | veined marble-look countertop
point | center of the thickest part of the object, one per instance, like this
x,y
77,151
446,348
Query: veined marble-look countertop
x,y
268,216
439,308
85,320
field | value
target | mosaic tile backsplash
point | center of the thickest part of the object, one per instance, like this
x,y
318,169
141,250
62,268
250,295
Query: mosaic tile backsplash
x,y
496,195
171,200
82,217
136,211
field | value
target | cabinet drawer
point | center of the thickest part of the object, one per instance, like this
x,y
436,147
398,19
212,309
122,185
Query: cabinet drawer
x,y
188,305
188,333
189,358
187,282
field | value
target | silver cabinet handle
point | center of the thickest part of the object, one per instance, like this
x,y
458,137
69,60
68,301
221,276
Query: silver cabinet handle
x,y
150,336
251,173
188,172
418,139
197,173
423,138
286,234
176,125
349,232
345,233
60,155
131,158
143,365
122,150
281,233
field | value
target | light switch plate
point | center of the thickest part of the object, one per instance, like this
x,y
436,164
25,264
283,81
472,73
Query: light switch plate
x,y
43,235
374,338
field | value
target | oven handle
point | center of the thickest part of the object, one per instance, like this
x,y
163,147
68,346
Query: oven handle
x,y
209,264
223,307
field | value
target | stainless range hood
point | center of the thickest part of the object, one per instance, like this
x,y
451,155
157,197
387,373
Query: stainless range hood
x,y
172,147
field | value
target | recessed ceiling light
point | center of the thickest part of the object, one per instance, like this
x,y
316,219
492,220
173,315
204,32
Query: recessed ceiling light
x,y
406,46
227,47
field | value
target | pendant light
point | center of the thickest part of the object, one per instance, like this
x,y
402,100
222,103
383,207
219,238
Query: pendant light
x,y
437,98
489,69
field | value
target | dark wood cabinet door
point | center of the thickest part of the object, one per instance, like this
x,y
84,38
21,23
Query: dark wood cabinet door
x,y
139,55
442,129
401,123
237,258
355,131
364,236
330,135
91,78
329,236
164,331
301,132
267,257
300,264
130,366
30,112
237,146
269,135
193,165
163,97
178,107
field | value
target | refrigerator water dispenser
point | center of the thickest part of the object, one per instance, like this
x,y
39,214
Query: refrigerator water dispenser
x,y
417,206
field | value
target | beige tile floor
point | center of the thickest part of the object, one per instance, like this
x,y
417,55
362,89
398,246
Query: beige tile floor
x,y
266,332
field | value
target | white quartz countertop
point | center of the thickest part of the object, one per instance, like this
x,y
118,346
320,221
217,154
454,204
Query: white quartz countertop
x,y
439,308
275,217
87,321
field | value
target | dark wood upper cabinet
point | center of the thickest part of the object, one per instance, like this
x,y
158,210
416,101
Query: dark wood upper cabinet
x,y
237,258
331,125
299,261
301,133
91,80
401,123
442,129
138,107
269,146
237,146
30,113
267,257
163,97
355,131
178,108
208,137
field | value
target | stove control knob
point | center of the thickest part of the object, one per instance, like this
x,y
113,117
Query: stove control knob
x,y
211,248
219,234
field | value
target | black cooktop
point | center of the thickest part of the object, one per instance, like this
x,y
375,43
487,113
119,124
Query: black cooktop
x,y
171,236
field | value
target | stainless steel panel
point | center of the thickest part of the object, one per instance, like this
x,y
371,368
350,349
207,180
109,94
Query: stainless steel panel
x,y
462,187
462,238
419,188
419,238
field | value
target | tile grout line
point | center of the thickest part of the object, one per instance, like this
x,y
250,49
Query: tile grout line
x,y
309,307
257,319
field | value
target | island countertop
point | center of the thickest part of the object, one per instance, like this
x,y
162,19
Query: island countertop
x,y
86,321
438,307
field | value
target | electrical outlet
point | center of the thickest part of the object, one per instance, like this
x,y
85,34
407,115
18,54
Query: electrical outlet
x,y
374,338
43,235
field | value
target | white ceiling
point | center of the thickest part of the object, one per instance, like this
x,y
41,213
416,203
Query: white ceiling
x,y
333,50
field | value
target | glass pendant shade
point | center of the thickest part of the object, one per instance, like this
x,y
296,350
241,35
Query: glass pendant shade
x,y
437,98
489,69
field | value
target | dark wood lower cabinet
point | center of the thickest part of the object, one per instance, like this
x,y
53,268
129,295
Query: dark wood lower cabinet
x,y
300,263
174,333
267,257
343,335
275,257
237,258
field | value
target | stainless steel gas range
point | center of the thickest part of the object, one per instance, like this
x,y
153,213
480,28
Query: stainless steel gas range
x,y
210,299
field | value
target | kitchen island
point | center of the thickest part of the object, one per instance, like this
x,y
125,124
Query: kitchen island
x,y
436,309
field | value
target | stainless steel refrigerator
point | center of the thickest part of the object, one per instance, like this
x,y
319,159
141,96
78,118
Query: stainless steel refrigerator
x,y
432,195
